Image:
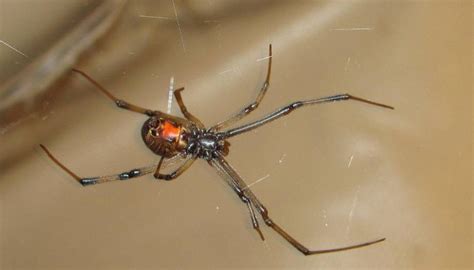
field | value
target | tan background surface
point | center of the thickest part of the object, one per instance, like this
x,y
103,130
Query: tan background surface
x,y
333,175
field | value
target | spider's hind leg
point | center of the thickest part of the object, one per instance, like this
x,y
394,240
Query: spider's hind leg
x,y
253,218
242,190
86,181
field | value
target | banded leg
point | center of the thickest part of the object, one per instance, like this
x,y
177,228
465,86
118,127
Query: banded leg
x,y
293,106
119,102
101,179
174,174
251,107
242,196
240,187
184,110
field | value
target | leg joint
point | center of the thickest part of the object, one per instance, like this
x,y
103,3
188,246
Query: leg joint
x,y
166,177
88,181
295,105
131,174
120,103
251,107
243,197
268,221
265,86
150,113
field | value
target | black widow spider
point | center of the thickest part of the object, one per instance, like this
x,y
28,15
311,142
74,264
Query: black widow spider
x,y
169,136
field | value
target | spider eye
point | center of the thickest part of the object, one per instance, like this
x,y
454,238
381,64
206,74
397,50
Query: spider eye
x,y
153,132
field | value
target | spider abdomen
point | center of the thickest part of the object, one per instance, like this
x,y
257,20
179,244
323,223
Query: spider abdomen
x,y
164,136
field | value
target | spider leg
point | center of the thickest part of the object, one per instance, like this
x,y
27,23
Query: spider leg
x,y
184,110
244,198
253,218
134,173
240,187
119,102
304,249
251,107
291,107
174,174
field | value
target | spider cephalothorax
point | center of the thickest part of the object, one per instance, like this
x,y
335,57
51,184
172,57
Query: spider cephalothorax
x,y
206,144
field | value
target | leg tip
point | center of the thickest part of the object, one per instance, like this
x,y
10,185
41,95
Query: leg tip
x,y
88,181
260,233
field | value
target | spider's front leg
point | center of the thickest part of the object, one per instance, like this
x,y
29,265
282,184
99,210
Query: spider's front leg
x,y
85,181
119,102
292,107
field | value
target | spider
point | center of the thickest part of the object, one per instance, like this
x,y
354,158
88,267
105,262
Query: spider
x,y
170,136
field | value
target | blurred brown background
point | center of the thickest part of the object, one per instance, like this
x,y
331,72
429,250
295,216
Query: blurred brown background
x,y
331,175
